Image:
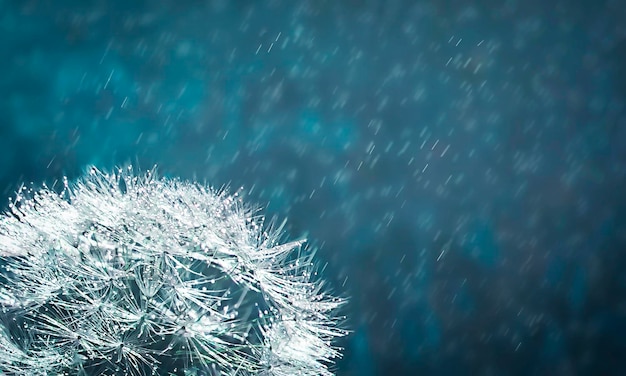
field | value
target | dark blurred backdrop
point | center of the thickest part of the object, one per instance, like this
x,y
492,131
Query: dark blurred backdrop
x,y
460,164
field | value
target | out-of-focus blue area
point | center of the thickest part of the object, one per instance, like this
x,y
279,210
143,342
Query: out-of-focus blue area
x,y
461,165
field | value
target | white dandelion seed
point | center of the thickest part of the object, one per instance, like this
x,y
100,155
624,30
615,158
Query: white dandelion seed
x,y
130,274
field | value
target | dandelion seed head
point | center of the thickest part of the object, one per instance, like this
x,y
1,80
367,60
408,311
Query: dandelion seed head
x,y
132,274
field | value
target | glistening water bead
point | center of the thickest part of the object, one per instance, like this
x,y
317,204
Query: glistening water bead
x,y
131,274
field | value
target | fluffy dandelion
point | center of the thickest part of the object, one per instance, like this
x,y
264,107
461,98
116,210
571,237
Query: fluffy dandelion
x,y
131,274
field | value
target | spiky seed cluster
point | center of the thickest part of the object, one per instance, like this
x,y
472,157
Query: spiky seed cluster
x,y
125,274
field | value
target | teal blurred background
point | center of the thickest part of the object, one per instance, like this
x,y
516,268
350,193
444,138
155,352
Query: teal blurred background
x,y
460,165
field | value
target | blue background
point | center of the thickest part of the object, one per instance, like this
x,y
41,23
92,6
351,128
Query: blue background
x,y
460,164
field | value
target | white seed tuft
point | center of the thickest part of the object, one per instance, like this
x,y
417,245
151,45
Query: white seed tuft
x,y
131,274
